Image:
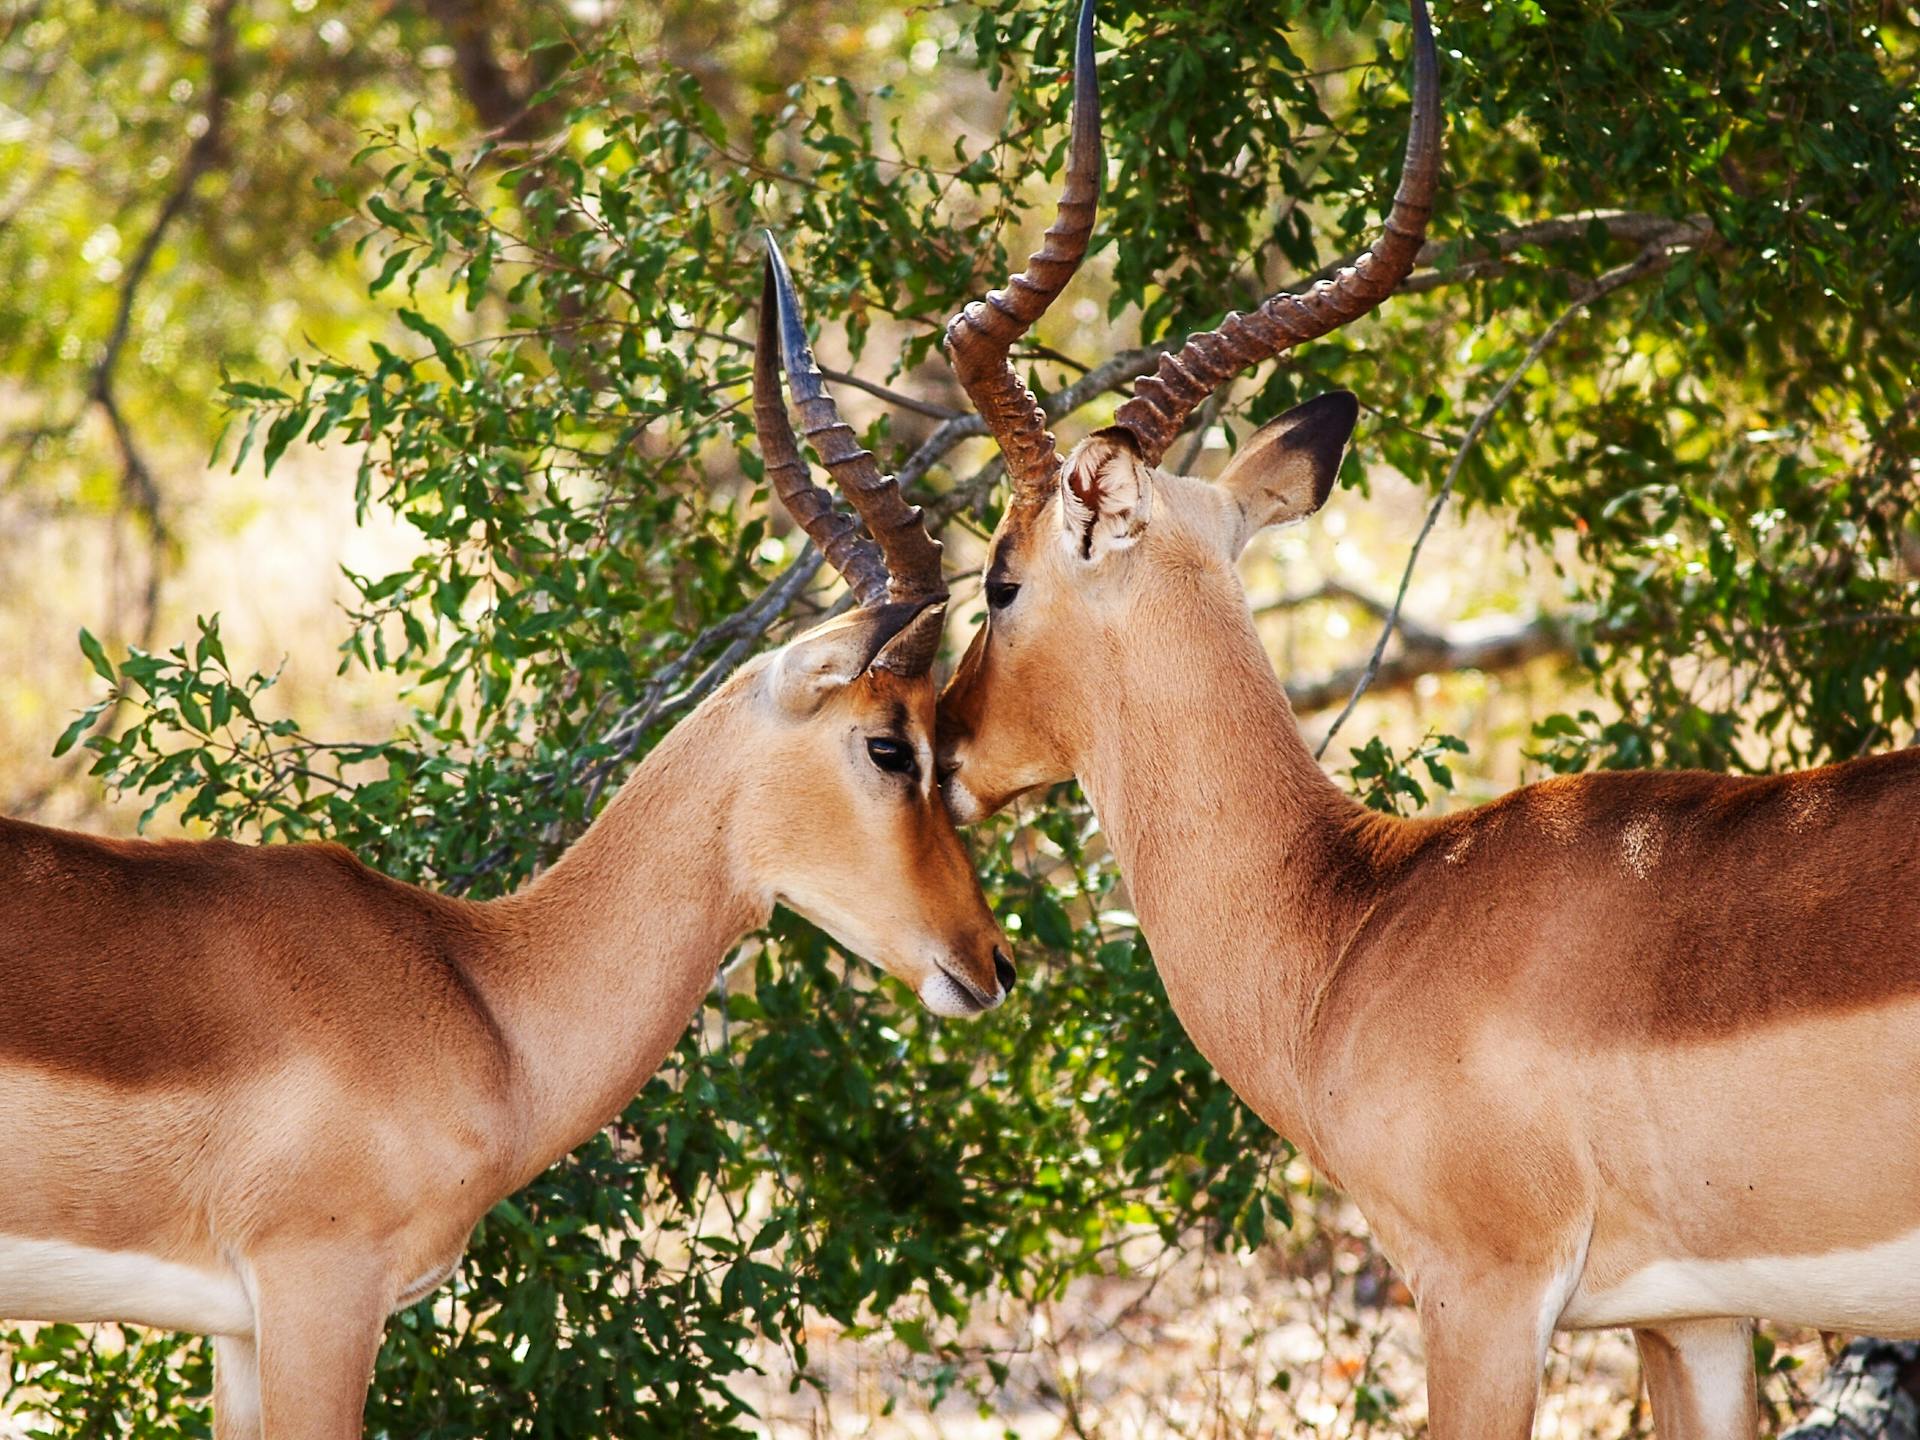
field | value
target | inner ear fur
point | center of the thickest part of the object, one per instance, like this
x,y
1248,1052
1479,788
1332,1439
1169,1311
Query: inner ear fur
x,y
829,657
1106,495
1285,470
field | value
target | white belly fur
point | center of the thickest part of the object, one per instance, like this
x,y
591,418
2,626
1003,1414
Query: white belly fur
x,y
54,1280
1873,1291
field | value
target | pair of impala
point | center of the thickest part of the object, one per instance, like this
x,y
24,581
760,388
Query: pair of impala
x,y
265,1094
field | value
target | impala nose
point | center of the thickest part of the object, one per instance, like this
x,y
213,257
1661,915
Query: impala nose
x,y
1003,971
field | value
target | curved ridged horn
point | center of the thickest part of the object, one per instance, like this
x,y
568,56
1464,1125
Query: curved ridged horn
x,y
1162,401
979,337
836,533
915,645
912,555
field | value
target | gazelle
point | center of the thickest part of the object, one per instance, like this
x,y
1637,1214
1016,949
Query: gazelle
x,y
265,1093
1614,1050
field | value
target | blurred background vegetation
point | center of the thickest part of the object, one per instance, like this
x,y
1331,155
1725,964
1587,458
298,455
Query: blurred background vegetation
x,y
457,298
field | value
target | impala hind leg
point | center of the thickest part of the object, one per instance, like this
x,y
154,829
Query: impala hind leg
x,y
319,1329
236,1388
1700,1379
1486,1343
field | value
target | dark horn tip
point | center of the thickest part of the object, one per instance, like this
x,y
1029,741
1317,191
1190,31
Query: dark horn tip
x,y
1086,78
795,351
1425,59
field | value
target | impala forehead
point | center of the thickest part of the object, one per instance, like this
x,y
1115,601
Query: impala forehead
x,y
1007,555
904,708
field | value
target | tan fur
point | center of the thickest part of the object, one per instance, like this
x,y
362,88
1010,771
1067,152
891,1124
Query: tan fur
x,y
287,1072
1607,1031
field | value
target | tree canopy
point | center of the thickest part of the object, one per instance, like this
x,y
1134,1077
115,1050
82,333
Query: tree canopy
x,y
1663,335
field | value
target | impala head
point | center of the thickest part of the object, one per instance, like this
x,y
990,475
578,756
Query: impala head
x,y
1105,567
863,845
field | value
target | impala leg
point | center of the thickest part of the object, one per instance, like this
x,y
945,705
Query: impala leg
x,y
318,1333
1486,1342
236,1388
1700,1379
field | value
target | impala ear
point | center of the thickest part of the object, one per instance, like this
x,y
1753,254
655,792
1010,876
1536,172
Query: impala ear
x,y
1106,495
1285,470
909,654
895,637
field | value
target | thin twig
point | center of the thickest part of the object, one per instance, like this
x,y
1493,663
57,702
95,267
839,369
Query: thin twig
x,y
844,377
1651,260
892,397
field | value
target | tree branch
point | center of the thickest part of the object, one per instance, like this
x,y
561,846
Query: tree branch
x,y
1411,633
137,482
1507,647
892,397
1453,262
491,93
1653,259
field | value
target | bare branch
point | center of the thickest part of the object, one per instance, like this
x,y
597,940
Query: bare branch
x,y
136,475
137,484
1203,420
845,377
968,494
1651,260
1508,647
1453,262
892,397
485,81
1411,633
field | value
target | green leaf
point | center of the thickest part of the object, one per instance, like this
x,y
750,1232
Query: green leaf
x,y
96,655
82,723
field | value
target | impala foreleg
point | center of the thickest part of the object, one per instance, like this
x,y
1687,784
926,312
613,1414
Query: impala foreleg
x,y
321,1317
236,1388
1486,1341
1700,1379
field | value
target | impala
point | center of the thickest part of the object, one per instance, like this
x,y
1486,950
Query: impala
x,y
265,1093
1614,1050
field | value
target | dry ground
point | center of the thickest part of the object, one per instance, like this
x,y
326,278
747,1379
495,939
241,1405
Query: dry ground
x,y
1313,1337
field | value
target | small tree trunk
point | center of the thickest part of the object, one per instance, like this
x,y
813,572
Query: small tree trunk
x,y
1869,1394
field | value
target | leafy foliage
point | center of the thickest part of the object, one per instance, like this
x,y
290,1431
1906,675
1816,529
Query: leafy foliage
x,y
556,412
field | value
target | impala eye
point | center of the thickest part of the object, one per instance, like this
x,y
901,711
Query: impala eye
x,y
896,757
1000,593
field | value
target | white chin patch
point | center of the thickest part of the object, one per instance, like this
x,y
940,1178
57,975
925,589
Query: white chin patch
x,y
961,804
943,996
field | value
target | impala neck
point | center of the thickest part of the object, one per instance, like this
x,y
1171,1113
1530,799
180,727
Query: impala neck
x,y
1247,866
606,956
